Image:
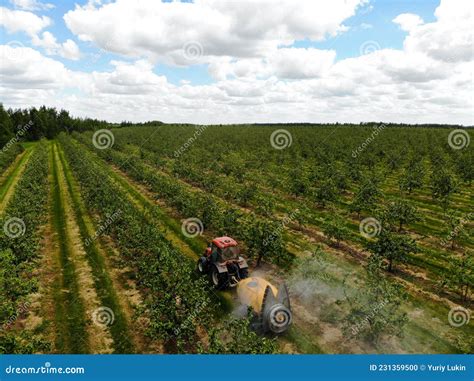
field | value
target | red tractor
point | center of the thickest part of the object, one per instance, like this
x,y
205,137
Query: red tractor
x,y
223,263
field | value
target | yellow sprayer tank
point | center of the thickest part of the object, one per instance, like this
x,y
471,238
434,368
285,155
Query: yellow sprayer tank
x,y
272,305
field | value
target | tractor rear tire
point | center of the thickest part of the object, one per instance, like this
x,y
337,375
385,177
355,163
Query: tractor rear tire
x,y
219,280
202,266
244,273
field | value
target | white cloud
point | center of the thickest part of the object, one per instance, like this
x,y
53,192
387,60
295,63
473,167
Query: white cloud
x,y
285,63
244,29
21,21
429,80
408,21
450,38
31,24
31,5
70,50
25,68
129,78
67,49
294,63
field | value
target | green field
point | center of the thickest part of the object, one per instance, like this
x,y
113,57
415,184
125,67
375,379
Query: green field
x,y
370,228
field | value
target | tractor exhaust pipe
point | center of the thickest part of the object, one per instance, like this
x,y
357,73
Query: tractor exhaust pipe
x,y
270,305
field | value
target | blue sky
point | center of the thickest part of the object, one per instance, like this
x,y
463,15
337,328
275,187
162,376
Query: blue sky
x,y
376,16
242,61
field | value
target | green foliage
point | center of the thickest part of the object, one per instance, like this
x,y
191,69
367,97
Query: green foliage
x,y
264,239
6,127
375,310
22,343
265,205
236,337
178,304
401,212
8,156
18,252
46,122
298,181
335,229
457,228
460,275
215,214
393,247
325,192
413,176
367,196
443,185
464,164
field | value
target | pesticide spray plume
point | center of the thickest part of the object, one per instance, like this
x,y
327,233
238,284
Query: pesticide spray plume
x,y
271,305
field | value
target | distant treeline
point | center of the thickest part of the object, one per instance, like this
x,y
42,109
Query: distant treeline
x,y
47,122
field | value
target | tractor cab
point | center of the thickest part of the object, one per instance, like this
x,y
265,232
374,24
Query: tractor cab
x,y
223,263
223,249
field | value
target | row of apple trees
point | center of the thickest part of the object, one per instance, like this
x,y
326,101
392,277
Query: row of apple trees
x,y
19,250
178,304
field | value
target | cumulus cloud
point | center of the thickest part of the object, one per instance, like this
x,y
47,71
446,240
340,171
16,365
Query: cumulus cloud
x,y
67,49
129,78
450,38
285,63
243,29
259,76
21,21
26,68
408,21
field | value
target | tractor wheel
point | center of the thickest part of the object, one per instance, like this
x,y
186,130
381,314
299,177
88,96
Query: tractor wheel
x,y
244,273
218,280
202,266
